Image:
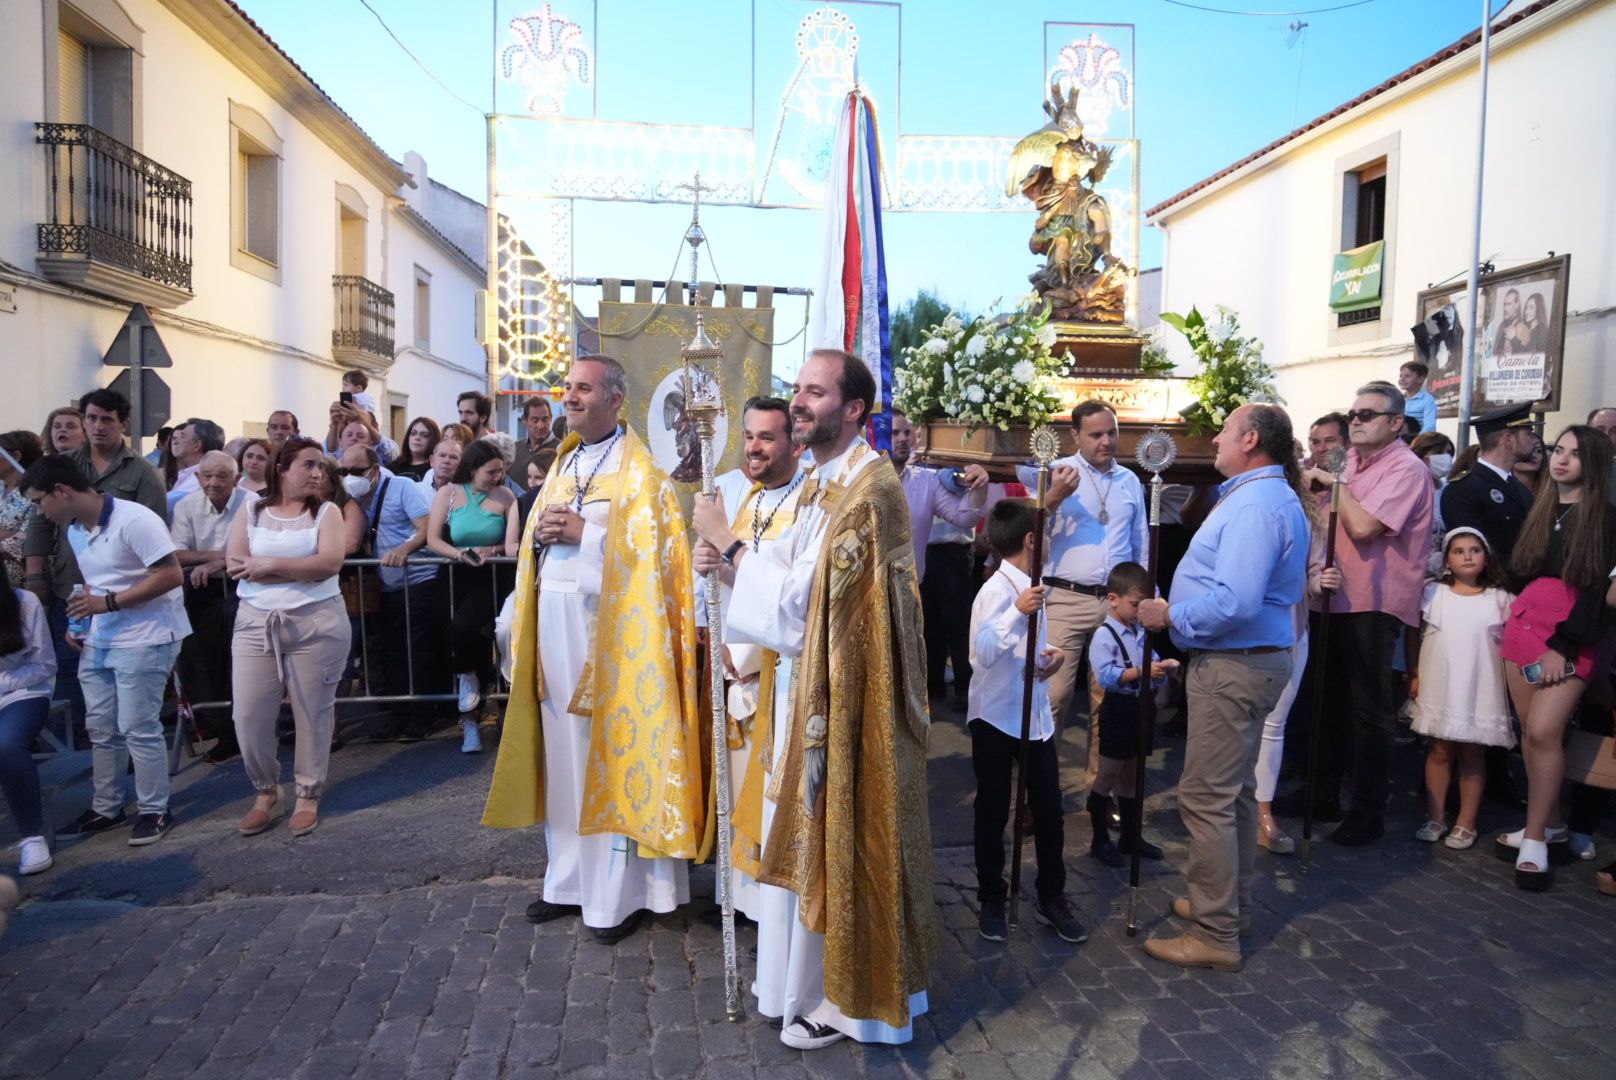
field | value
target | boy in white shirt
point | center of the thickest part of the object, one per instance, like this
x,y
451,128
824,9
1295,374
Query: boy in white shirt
x,y
1115,650
136,621
998,658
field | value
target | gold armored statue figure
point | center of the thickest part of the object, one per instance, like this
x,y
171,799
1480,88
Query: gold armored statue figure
x,y
1058,168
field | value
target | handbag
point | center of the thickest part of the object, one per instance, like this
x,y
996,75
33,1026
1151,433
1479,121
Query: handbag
x,y
1590,758
366,600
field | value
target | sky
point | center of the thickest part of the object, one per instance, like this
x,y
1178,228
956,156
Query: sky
x,y
1210,88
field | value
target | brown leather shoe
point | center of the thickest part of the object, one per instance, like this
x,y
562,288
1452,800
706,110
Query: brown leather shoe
x,y
1189,951
257,821
304,822
1181,908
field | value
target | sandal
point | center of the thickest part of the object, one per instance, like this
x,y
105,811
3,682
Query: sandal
x,y
1605,880
1272,838
1430,832
1507,845
304,822
256,821
1533,871
1460,839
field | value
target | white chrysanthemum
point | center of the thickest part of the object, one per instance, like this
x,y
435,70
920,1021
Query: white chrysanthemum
x,y
974,395
976,346
1023,371
952,323
1221,331
935,346
1046,335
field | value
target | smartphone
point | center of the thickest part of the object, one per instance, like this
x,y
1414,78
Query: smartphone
x,y
473,558
1533,673
346,397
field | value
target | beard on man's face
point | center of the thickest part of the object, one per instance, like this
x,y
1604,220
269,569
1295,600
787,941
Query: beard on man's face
x,y
821,430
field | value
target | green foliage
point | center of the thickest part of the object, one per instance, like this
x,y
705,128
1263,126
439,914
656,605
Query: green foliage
x,y
1233,372
1154,363
909,323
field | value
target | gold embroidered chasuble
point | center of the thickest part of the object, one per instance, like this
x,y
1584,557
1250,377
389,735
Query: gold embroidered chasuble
x,y
645,778
850,835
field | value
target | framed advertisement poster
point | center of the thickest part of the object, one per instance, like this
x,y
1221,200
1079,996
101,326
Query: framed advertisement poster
x,y
1522,338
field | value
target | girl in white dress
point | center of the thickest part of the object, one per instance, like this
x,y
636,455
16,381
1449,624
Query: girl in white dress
x,y
1461,706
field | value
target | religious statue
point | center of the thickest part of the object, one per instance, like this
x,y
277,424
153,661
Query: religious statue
x,y
1058,168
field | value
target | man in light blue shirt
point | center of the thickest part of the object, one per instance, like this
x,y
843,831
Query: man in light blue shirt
x,y
1418,404
1232,611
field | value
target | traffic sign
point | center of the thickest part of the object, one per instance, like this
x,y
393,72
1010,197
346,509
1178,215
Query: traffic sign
x,y
153,401
138,336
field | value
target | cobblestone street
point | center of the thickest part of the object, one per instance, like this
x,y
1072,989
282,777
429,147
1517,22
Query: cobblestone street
x,y
392,943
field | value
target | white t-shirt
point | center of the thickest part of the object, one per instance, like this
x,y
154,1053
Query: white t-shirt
x,y
115,556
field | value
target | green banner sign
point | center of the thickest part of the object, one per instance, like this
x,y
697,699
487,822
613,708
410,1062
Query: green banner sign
x,y
1355,282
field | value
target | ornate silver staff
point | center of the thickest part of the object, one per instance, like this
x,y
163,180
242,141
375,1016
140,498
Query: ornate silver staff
x,y
1045,449
704,404
1335,463
1156,452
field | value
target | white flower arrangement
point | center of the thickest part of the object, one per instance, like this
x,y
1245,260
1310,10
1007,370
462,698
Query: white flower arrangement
x,y
1233,372
997,371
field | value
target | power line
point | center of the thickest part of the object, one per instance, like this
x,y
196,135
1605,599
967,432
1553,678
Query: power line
x,y
1267,14
478,109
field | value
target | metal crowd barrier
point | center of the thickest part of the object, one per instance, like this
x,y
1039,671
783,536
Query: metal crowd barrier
x,y
185,741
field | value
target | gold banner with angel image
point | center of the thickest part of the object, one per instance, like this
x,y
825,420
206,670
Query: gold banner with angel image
x,y
646,338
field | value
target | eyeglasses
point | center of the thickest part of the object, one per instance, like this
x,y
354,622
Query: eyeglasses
x,y
1363,416
352,470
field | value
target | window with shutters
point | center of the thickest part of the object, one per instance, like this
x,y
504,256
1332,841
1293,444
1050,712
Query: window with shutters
x,y
255,195
96,69
423,310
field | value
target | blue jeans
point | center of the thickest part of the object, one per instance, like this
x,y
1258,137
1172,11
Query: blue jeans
x,y
123,704
67,662
20,724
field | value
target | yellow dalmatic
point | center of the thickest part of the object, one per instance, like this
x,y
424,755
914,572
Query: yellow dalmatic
x,y
645,777
851,836
747,847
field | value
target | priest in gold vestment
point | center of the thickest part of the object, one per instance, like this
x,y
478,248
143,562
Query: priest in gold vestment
x,y
847,932
603,735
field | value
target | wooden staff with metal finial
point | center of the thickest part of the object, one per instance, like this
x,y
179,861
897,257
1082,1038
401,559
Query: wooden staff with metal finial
x,y
1336,463
1156,452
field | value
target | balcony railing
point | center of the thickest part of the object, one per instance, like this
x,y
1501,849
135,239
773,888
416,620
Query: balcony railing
x,y
364,318
112,204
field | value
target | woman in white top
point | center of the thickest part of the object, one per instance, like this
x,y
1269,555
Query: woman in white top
x,y
27,673
291,635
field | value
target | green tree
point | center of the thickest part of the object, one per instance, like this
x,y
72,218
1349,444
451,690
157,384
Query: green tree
x,y
911,321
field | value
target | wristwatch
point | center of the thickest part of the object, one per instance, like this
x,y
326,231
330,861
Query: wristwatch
x,y
731,551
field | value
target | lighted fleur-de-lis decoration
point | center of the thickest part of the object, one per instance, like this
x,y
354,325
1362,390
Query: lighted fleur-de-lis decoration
x,y
1094,67
549,53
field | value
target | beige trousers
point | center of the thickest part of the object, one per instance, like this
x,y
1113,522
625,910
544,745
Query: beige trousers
x,y
1229,695
1073,618
297,654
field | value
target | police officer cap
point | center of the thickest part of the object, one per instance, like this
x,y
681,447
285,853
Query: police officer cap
x,y
1510,416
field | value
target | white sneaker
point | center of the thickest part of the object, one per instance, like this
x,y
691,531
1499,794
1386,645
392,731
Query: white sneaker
x,y
471,693
471,740
1582,846
36,856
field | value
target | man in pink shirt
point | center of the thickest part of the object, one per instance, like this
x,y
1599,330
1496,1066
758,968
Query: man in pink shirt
x,y
1381,550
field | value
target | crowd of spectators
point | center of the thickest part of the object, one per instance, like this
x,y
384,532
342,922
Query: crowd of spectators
x,y
218,579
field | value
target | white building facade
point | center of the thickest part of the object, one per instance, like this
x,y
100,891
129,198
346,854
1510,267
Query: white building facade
x,y
167,152
1261,236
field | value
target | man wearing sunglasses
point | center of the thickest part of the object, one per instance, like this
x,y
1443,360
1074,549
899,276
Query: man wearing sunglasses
x,y
1385,536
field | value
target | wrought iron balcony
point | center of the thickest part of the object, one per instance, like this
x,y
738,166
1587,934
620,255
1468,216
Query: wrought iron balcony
x,y
117,222
363,332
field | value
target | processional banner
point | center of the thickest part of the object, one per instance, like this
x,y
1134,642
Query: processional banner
x,y
647,337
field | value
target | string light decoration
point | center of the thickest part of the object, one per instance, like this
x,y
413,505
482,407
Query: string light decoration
x,y
535,313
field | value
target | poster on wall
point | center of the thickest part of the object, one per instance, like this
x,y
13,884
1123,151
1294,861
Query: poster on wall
x,y
1521,338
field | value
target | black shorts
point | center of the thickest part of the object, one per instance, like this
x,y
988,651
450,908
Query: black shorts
x,y
1119,726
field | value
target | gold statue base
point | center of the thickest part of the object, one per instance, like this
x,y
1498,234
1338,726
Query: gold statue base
x,y
1099,347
